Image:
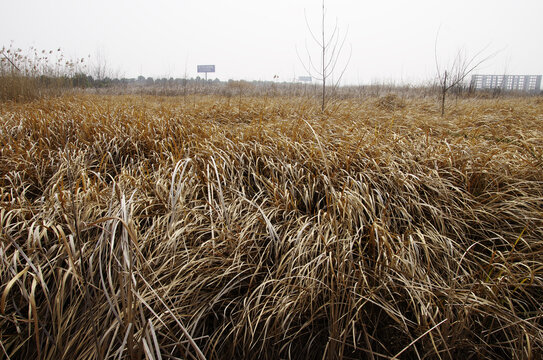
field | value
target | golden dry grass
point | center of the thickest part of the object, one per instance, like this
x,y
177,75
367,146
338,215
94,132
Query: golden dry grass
x,y
261,228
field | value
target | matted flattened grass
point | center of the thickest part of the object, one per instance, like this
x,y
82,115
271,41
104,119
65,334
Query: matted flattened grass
x,y
261,228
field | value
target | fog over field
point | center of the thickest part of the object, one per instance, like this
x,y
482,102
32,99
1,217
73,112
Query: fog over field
x,y
392,40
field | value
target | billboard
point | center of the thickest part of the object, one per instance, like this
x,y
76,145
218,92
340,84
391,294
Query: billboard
x,y
206,68
304,78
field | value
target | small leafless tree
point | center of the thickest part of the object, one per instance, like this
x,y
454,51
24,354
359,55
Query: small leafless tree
x,y
330,49
455,74
99,69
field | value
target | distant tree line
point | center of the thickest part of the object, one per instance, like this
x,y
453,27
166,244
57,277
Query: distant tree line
x,y
82,80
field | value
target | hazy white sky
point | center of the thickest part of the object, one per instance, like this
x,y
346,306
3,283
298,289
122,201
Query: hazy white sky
x,y
391,40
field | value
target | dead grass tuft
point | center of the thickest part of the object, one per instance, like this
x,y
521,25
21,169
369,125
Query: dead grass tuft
x,y
390,102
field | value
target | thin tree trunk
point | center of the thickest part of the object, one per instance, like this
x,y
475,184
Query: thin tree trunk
x,y
323,62
443,94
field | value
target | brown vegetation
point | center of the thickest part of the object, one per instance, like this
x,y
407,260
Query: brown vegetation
x,y
262,228
33,74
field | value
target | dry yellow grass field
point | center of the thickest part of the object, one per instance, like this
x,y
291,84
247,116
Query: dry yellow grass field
x,y
261,228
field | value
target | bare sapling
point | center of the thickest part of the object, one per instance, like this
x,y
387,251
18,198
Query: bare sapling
x,y
330,50
455,74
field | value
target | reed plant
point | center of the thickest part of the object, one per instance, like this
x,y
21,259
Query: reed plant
x,y
31,74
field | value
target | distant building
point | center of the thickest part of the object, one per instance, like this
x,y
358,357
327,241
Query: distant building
x,y
527,83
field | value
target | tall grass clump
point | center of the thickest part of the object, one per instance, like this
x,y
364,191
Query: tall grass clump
x,y
205,228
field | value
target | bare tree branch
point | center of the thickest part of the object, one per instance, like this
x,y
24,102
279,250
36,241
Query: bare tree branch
x,y
310,30
11,62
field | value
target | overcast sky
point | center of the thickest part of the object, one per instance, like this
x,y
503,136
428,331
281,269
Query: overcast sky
x,y
391,40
